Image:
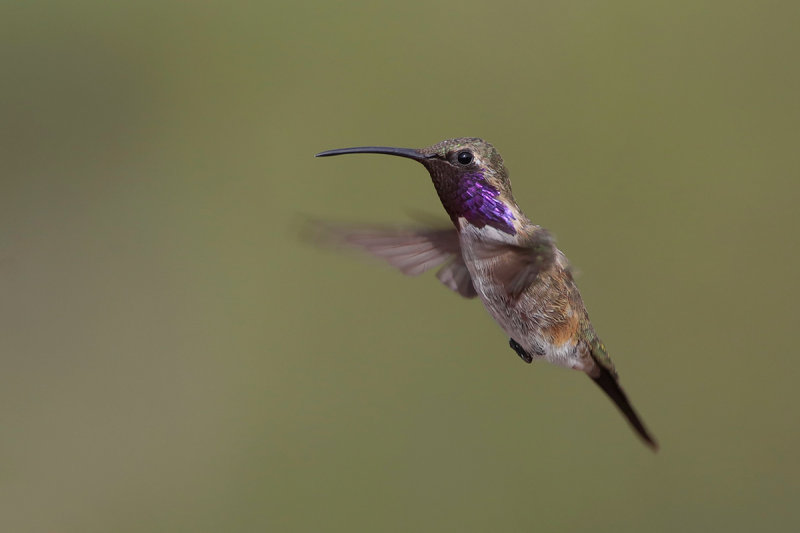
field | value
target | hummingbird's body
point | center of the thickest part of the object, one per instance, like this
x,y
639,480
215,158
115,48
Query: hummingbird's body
x,y
497,254
543,319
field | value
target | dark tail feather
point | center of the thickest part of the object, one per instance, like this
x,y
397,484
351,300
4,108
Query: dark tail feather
x,y
609,384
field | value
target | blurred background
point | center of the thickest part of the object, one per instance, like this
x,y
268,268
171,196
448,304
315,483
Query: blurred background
x,y
175,357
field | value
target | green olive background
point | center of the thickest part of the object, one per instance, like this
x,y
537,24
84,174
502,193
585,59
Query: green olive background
x,y
175,355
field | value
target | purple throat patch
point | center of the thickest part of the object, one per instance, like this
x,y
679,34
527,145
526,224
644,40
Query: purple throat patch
x,y
481,206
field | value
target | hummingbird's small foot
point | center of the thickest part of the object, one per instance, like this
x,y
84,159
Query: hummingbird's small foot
x,y
525,356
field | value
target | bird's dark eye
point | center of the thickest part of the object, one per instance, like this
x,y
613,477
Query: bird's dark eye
x,y
464,157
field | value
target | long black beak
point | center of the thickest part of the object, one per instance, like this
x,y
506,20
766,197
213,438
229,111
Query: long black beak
x,y
402,152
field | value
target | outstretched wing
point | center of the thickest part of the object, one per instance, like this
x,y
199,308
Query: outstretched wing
x,y
518,265
411,250
456,276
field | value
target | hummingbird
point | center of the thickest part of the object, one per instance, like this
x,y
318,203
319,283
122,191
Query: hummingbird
x,y
495,253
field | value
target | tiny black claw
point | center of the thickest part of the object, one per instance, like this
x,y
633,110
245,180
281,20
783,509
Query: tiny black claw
x,y
525,356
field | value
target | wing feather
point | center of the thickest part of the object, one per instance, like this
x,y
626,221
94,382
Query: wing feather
x,y
518,265
412,251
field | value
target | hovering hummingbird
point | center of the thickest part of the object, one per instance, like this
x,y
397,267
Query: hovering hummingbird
x,y
497,254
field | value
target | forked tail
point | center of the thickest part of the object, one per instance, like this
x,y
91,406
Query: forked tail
x,y
606,381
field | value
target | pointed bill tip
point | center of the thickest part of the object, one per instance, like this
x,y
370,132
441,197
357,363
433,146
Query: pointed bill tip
x,y
386,150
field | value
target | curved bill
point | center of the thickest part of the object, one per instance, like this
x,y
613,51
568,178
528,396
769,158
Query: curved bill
x,y
387,150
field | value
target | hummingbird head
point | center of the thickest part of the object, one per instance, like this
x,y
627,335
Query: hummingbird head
x,y
469,177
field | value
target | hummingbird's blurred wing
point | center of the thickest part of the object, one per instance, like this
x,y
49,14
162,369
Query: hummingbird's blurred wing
x,y
456,276
518,265
411,250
